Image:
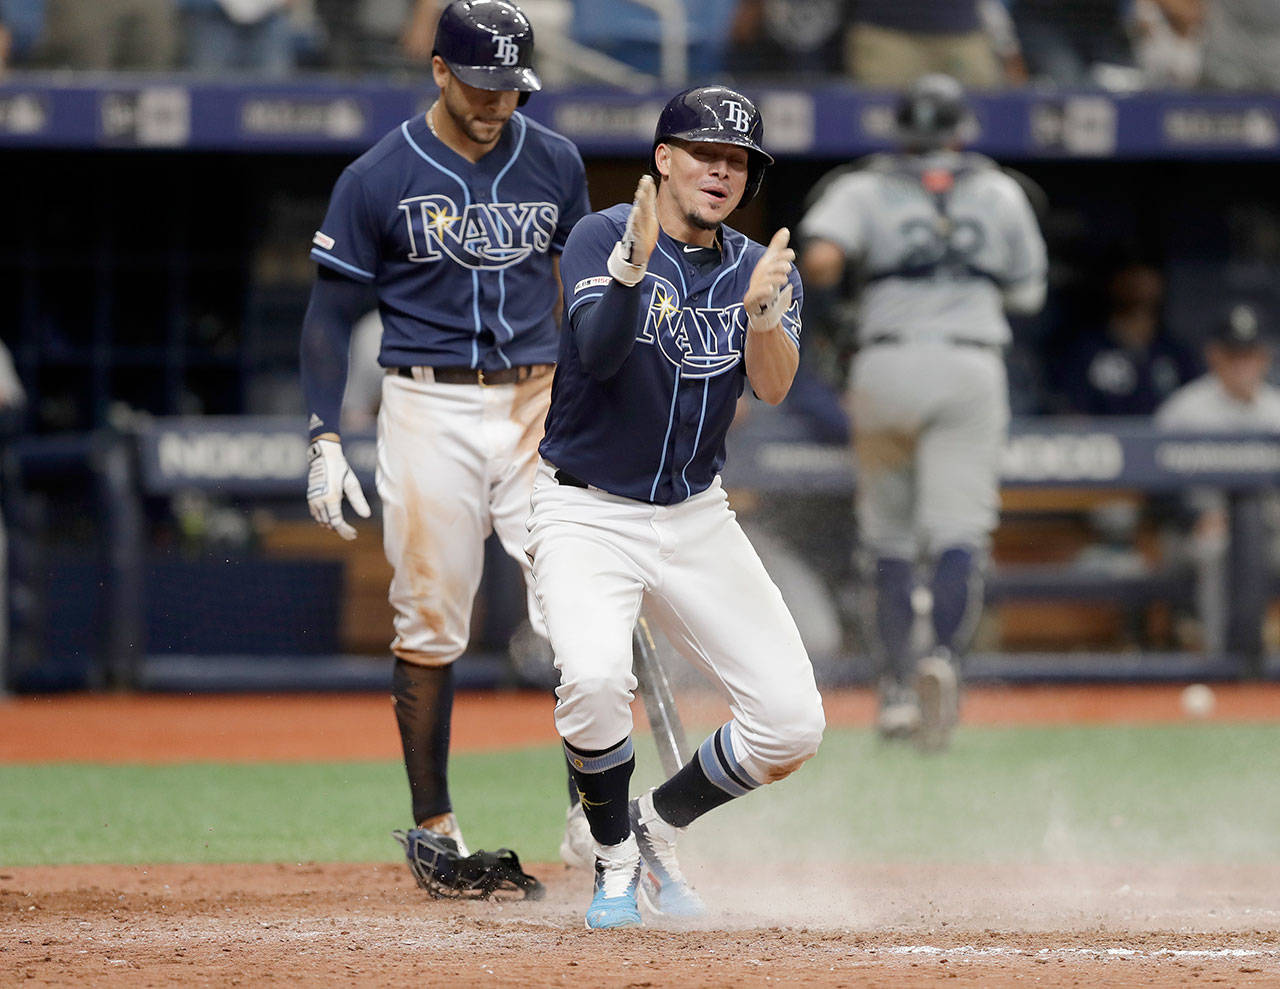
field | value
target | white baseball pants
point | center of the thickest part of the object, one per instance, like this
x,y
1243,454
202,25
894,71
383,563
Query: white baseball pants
x,y
455,462
599,558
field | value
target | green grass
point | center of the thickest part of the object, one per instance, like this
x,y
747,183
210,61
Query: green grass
x,y
1194,792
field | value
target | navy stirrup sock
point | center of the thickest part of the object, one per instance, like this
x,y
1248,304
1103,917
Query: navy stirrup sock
x,y
603,778
423,697
952,592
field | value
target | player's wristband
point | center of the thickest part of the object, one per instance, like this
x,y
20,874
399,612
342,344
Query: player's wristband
x,y
623,270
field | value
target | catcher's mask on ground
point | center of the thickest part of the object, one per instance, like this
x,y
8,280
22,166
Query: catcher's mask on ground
x,y
716,114
488,44
442,872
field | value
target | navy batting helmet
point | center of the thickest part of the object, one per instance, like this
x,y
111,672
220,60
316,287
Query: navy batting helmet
x,y
720,115
488,44
933,113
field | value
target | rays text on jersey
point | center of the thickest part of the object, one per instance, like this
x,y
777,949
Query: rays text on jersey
x,y
701,342
485,236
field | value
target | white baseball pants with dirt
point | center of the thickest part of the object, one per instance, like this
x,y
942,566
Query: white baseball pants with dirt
x,y
599,558
455,462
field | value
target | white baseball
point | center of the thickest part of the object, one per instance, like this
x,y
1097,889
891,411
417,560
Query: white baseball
x,y
1197,701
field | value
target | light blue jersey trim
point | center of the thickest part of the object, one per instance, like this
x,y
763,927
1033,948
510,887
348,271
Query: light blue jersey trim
x,y
702,419
586,298
684,289
502,273
675,389
320,255
671,421
475,278
733,267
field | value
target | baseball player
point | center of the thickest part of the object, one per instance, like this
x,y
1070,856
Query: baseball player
x,y
670,313
456,219
1233,397
946,242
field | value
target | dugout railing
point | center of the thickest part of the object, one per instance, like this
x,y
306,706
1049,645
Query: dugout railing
x,y
130,600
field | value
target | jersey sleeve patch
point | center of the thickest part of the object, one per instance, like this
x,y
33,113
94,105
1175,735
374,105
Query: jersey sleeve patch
x,y
323,240
591,282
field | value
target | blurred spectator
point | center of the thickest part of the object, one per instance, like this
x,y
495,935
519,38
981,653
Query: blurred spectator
x,y
792,37
891,43
1075,43
239,35
1168,41
1232,398
1003,36
100,35
632,33
1242,44
21,28
1129,365
379,35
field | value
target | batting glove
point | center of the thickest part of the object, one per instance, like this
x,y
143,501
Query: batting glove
x,y
328,479
769,293
630,257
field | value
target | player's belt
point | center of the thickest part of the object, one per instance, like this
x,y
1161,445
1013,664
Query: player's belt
x,y
473,375
562,476
893,340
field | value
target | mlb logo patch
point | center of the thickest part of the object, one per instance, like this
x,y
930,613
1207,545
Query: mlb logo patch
x,y
323,240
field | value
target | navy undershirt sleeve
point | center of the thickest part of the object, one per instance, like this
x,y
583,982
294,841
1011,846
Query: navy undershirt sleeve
x,y
605,330
336,303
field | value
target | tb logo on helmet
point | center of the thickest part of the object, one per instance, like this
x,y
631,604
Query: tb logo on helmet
x,y
505,49
736,115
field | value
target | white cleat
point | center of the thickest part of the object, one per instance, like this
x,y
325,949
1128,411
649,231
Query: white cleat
x,y
937,689
663,887
577,848
617,882
899,713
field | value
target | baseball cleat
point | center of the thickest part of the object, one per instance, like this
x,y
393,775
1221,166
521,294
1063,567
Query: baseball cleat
x,y
936,688
617,879
577,847
899,714
663,887
446,825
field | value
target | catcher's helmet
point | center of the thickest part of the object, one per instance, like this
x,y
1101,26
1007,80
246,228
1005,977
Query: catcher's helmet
x,y
933,113
716,114
488,44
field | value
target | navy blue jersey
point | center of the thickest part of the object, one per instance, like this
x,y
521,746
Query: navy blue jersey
x,y
460,252
655,430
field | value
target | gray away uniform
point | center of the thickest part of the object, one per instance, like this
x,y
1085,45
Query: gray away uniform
x,y
947,243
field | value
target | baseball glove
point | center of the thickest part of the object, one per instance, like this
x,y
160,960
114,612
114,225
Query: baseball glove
x,y
442,872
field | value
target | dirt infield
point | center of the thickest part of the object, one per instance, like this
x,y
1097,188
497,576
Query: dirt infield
x,y
368,925
155,728
342,924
